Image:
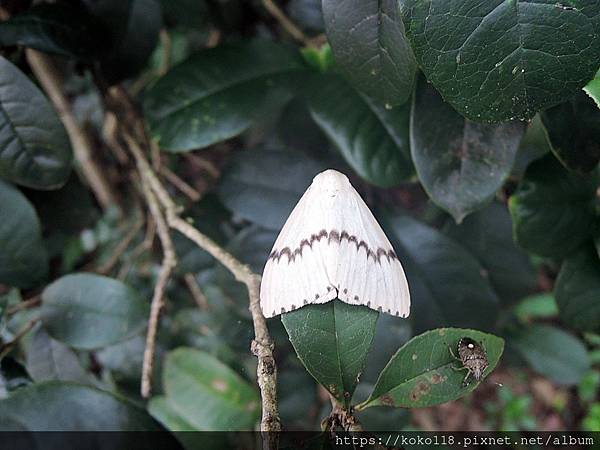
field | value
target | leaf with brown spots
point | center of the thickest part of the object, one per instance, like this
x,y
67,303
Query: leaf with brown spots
x,y
423,372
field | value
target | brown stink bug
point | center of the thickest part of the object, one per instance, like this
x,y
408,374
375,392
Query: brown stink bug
x,y
473,357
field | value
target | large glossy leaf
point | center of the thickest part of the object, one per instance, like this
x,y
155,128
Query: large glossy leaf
x,y
263,186
574,132
423,371
498,60
134,26
553,353
368,42
66,406
577,290
218,93
23,258
332,341
487,234
203,394
553,209
461,164
372,139
34,147
91,311
447,284
62,29
48,359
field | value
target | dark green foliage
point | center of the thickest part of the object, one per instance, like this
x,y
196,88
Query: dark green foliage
x,y
421,103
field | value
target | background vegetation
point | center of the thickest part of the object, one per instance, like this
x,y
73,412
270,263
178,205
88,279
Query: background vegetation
x,y
132,131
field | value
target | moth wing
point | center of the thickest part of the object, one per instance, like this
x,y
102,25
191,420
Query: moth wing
x,y
367,270
295,273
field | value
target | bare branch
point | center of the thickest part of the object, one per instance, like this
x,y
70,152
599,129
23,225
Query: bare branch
x,y
121,248
262,345
8,346
180,184
197,294
158,300
32,302
45,71
289,26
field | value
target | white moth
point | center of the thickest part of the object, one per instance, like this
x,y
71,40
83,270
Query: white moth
x,y
332,246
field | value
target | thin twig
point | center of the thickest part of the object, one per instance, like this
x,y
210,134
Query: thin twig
x,y
158,299
289,26
155,156
196,291
203,163
262,345
25,304
45,71
8,346
180,184
121,248
166,42
109,133
142,247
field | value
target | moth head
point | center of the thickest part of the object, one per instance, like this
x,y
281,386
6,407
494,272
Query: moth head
x,y
331,181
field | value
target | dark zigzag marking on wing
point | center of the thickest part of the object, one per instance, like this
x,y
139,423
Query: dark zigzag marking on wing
x,y
336,237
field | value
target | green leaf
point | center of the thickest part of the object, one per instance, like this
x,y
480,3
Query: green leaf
x,y
447,284
499,60
332,341
552,209
539,306
593,89
90,311
23,259
66,406
159,408
204,394
320,59
573,130
162,411
219,93
577,290
461,164
134,26
422,372
34,147
372,139
487,234
553,353
61,29
264,186
48,359
369,45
